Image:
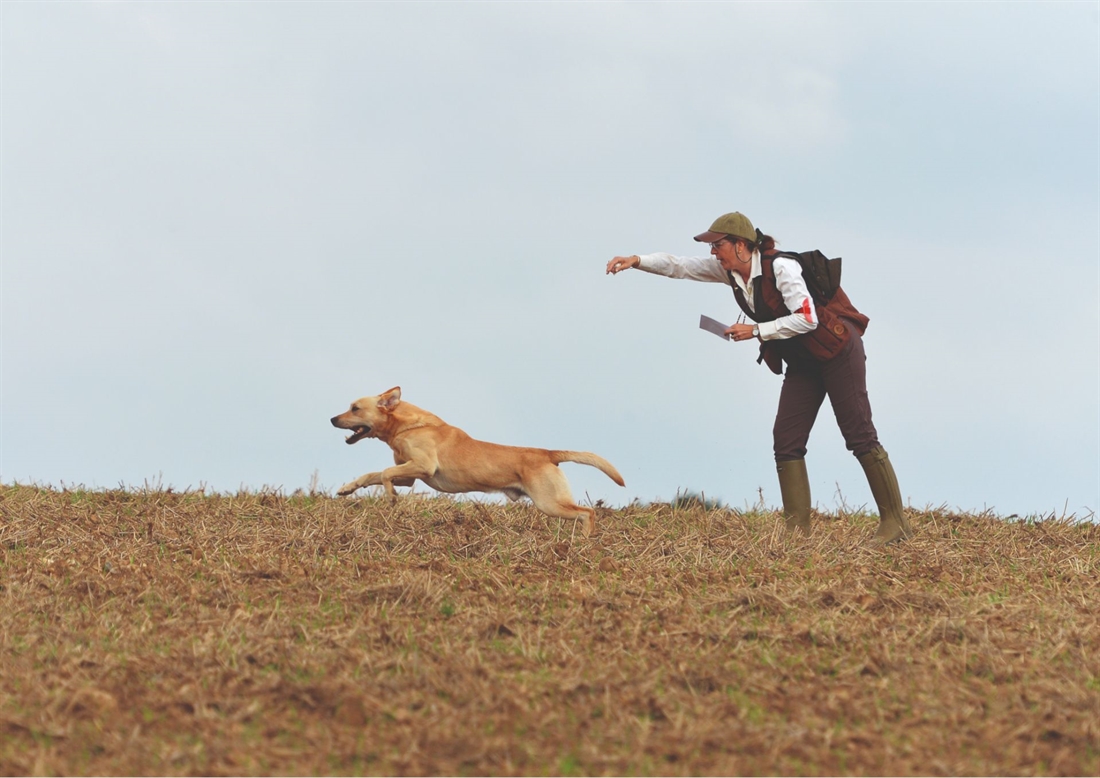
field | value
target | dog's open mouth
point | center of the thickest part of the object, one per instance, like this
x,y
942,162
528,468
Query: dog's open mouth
x,y
357,434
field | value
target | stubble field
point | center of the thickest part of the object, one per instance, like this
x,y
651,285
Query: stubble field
x,y
151,632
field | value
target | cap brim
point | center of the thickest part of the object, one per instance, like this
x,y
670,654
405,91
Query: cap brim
x,y
710,237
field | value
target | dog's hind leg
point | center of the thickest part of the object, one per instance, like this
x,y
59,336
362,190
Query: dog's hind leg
x,y
550,493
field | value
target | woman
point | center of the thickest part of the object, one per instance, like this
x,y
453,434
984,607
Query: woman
x,y
821,345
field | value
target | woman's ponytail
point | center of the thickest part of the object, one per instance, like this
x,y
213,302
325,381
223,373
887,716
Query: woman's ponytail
x,y
764,243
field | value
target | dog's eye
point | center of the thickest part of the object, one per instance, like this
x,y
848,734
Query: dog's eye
x,y
354,408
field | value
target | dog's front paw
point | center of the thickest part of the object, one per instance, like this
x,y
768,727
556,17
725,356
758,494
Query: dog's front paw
x,y
347,489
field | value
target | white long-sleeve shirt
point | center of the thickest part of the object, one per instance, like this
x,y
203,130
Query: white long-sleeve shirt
x,y
788,278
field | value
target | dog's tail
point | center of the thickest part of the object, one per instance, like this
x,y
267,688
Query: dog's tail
x,y
586,458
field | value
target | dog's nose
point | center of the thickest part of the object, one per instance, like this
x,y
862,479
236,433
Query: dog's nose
x,y
333,420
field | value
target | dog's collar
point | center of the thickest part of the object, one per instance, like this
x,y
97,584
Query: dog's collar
x,y
409,429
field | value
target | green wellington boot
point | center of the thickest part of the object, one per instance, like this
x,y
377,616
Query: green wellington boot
x,y
892,524
794,486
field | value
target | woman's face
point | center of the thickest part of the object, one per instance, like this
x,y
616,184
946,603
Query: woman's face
x,y
726,252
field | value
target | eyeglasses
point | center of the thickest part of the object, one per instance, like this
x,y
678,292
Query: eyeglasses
x,y
718,243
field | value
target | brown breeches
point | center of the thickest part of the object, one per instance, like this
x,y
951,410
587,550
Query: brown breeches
x,y
806,384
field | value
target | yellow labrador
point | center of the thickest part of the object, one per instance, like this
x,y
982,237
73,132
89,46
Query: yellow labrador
x,y
446,458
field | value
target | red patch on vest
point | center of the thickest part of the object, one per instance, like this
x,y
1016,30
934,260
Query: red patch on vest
x,y
805,310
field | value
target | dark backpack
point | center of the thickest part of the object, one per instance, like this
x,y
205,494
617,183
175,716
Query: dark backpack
x,y
822,274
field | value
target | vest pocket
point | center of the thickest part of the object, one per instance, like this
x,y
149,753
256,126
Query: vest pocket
x,y
829,338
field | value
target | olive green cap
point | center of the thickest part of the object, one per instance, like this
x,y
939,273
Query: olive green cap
x,y
736,224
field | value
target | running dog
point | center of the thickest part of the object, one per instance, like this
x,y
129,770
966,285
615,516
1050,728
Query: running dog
x,y
447,459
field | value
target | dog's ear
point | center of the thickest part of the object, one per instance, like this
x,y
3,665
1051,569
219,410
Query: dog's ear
x,y
388,400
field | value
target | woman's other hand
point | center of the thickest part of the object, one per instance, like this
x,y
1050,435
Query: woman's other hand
x,y
619,264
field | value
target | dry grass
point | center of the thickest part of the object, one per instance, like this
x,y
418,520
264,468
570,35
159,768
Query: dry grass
x,y
163,633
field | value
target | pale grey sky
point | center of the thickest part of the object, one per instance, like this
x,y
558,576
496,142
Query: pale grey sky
x,y
223,221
